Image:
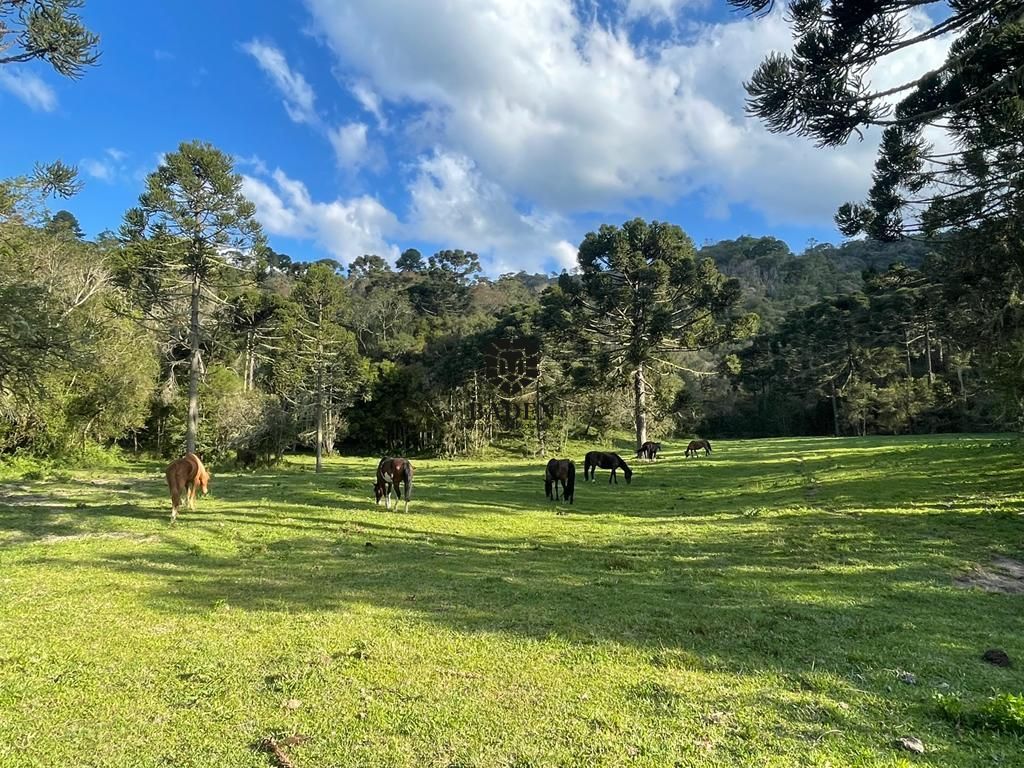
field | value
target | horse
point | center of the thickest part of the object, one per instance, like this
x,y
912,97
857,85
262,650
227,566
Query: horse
x,y
184,475
390,472
696,445
595,460
649,451
560,471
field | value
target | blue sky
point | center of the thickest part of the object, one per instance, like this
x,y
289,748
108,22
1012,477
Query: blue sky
x,y
509,128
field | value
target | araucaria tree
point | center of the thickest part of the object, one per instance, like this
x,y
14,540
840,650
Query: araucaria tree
x,y
201,227
323,349
824,90
49,30
640,298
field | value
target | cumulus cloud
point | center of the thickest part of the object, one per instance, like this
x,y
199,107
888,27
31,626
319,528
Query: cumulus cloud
x,y
345,228
299,97
29,88
571,115
453,203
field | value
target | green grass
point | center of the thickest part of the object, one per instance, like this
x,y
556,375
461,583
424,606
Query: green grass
x,y
755,607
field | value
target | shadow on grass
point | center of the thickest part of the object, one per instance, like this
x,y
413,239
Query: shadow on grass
x,y
760,574
741,594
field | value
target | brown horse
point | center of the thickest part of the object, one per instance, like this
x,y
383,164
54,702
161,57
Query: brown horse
x,y
184,475
560,471
649,451
696,445
391,472
595,460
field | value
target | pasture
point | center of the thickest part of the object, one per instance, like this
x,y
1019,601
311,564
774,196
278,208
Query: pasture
x,y
778,603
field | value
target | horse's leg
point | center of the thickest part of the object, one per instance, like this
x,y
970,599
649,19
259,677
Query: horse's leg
x,y
405,484
175,497
190,491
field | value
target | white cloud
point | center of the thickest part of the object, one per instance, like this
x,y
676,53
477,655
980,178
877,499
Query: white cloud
x,y
350,145
28,87
370,101
98,169
658,10
345,228
453,204
572,116
299,98
110,167
565,255
253,161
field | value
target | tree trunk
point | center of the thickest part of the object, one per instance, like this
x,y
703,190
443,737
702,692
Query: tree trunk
x,y
906,343
963,394
928,350
319,420
250,361
640,411
835,407
536,415
193,374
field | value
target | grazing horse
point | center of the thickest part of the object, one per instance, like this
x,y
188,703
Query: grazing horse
x,y
184,475
696,445
649,451
391,472
560,471
595,460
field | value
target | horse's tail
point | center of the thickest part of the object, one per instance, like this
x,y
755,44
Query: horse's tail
x,y
570,483
547,486
587,463
408,480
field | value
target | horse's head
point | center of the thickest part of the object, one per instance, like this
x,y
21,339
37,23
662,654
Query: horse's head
x,y
627,473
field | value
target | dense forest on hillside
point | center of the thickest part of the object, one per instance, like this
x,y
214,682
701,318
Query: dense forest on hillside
x,y
863,337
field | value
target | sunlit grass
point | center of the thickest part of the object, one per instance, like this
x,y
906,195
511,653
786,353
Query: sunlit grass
x,y
754,607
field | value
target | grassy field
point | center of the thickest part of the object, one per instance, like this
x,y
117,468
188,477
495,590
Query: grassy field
x,y
779,603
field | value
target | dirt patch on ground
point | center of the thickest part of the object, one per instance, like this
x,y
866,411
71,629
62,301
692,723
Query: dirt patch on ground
x,y
1001,575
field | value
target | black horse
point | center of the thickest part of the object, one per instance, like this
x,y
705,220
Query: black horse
x,y
595,460
391,472
560,471
697,445
649,451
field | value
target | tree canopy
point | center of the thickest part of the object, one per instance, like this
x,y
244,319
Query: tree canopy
x,y
641,296
48,30
951,153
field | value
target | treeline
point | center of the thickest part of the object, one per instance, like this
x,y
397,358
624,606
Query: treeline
x,y
932,343
99,340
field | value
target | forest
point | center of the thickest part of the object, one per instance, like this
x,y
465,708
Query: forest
x,y
181,328
100,339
